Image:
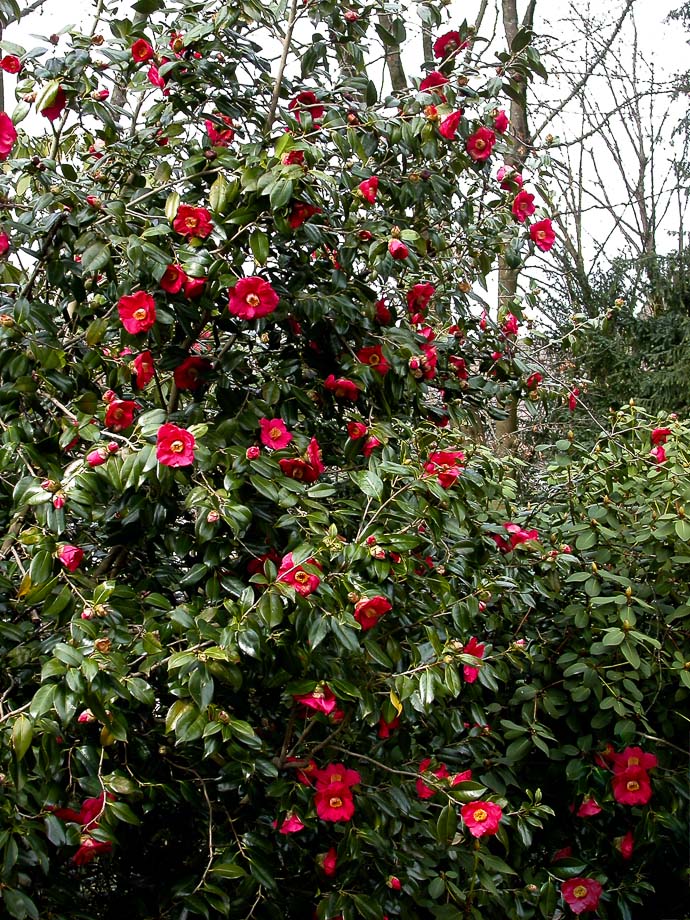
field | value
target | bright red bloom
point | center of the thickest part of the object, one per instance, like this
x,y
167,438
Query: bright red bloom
x,y
625,845
304,583
398,249
383,314
293,158
305,470
659,436
508,178
335,773
4,243
137,312
523,206
329,862
368,188
581,894
369,610
173,279
321,699
11,63
481,818
458,778
223,136
533,380
70,556
450,124
510,325
475,648
274,434
543,235
394,883
341,387
192,222
418,298
192,373
291,825
480,144
356,430
306,101
155,79
301,211
120,414
370,445
142,51
373,356
448,44
433,82
460,367
253,452
385,728
517,536
142,367
335,802
441,772
98,456
446,464
632,786
193,288
90,848
304,775
55,104
633,757
572,399
659,453
251,298
8,135
589,808
175,446
501,122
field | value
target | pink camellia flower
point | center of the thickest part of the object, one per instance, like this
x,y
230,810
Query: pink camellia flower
x,y
433,82
633,757
543,235
508,178
418,298
356,430
4,243
589,808
253,452
625,845
304,583
193,288
481,818
70,556
517,536
450,124
341,387
58,501
11,63
307,469
219,137
154,77
480,144
446,464
632,786
142,51
458,778
383,314
137,312
385,728
142,367
301,211
274,434
533,381
89,849
175,445
334,802
368,189
373,356
251,298
321,699
173,279
501,122
337,773
192,222
306,101
398,250
304,774
394,883
86,717
510,325
523,206
581,894
448,44
120,414
54,104
369,610
659,436
460,366
370,445
291,824
441,772
192,373
659,453
572,399
293,158
476,649
8,135
98,456
329,862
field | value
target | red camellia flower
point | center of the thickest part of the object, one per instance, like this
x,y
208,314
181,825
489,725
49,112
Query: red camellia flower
x,y
337,773
533,380
501,123
304,775
192,373
306,101
446,464
481,818
398,250
90,848
581,894
341,387
385,728
120,414
370,445
542,234
394,883
291,824
334,802
572,399
321,699
173,279
137,312
219,137
441,772
192,222
8,135
480,144
274,434
368,188
251,298
632,786
98,456
589,808
383,314
4,243
433,82
659,453
373,356
253,452
305,470
11,63
510,326
460,367
356,430
659,436
142,51
517,536
293,158
523,206
508,178
142,366
625,845
418,298
633,757
175,446
329,862
369,610
193,288
475,648
54,104
304,583
155,79
70,556
301,211
450,124
448,44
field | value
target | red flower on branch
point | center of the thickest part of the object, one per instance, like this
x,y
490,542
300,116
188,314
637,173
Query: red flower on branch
x,y
418,298
450,124
11,63
321,699
304,583
173,279
433,82
398,250
301,211
142,51
543,235
480,144
356,430
448,44
306,101
137,312
219,137
252,298
481,818
192,373
8,135
523,206
192,222
632,786
70,556
54,104
274,434
292,824
341,387
475,648
501,122
335,802
369,610
441,772
305,470
446,464
368,189
142,367
581,894
337,773
120,414
175,446
373,356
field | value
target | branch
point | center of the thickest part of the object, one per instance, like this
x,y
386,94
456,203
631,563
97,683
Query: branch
x,y
393,59
287,41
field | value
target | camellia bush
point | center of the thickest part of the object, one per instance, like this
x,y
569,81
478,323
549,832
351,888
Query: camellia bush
x,y
281,636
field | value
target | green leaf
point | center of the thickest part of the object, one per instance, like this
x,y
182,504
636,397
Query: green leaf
x,y
447,824
258,241
281,193
22,733
96,257
683,530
